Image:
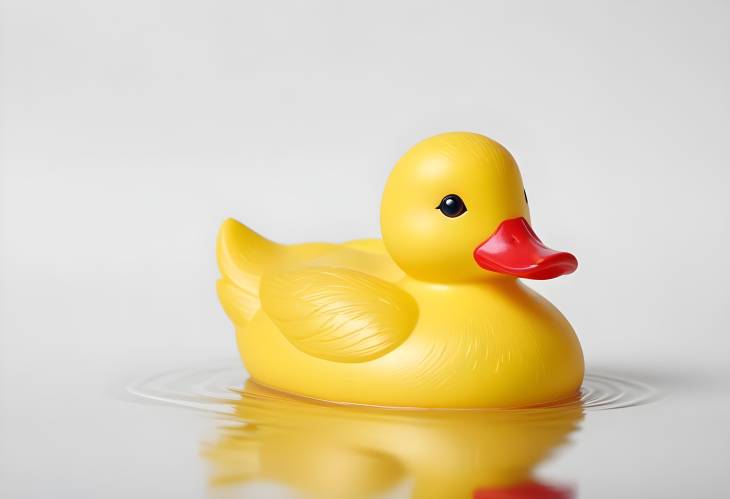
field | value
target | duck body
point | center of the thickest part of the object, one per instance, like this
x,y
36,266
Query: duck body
x,y
348,323
471,346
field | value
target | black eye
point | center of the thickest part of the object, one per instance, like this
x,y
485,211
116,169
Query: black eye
x,y
525,194
452,206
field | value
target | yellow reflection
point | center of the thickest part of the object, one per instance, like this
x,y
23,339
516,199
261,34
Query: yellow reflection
x,y
332,451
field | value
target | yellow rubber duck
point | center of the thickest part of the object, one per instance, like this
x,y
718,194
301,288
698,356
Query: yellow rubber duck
x,y
324,451
432,316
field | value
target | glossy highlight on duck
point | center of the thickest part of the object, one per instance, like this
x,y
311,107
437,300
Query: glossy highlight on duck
x,y
433,315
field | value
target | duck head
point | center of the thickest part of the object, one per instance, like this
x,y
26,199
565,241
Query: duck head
x,y
455,209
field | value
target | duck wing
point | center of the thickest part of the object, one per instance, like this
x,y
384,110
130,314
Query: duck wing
x,y
338,314
243,255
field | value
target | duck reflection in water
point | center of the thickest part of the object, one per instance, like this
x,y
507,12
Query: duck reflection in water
x,y
331,451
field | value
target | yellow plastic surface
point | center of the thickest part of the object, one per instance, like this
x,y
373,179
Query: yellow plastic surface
x,y
411,321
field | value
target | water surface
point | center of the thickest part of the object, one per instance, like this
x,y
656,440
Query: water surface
x,y
270,444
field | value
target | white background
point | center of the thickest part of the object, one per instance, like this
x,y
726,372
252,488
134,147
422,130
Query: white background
x,y
130,130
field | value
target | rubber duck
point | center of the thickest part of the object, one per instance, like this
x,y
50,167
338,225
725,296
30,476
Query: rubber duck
x,y
434,315
334,451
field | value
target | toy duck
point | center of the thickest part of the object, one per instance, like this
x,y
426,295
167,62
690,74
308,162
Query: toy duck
x,y
431,316
357,452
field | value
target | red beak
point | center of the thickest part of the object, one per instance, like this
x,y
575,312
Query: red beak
x,y
514,249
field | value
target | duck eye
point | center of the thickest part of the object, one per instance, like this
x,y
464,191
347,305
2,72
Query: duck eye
x,y
452,206
524,192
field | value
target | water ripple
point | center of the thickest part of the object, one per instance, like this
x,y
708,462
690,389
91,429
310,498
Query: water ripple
x,y
217,389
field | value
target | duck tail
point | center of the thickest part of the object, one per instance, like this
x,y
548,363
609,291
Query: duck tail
x,y
242,257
